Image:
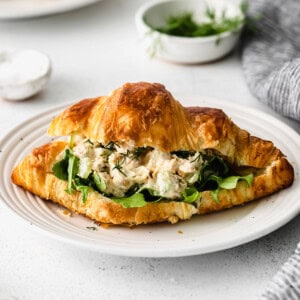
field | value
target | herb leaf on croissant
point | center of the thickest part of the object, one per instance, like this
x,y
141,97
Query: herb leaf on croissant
x,y
138,156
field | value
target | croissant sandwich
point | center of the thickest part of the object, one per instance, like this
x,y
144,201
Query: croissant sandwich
x,y
138,156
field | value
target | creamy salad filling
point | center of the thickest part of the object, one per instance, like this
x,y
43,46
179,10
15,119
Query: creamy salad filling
x,y
134,176
122,166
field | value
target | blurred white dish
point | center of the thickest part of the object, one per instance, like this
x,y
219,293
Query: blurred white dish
x,y
188,50
23,73
16,9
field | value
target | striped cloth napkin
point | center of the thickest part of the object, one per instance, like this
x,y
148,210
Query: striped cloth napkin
x,y
271,56
285,285
271,65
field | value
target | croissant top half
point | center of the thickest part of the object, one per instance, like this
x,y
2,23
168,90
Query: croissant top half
x,y
146,114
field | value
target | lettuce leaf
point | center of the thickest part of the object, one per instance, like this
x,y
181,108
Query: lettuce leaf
x,y
72,141
231,181
84,190
73,166
60,169
135,200
150,194
66,169
99,182
228,183
213,166
191,194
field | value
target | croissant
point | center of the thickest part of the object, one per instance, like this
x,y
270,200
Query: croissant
x,y
137,156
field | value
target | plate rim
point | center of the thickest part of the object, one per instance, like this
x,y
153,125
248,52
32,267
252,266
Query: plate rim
x,y
204,101
8,11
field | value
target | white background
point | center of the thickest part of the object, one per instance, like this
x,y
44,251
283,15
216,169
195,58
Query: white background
x,y
94,50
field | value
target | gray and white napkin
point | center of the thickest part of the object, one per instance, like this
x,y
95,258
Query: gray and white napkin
x,y
271,64
271,55
285,285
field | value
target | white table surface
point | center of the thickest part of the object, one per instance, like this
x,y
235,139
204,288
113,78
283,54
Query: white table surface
x,y
95,50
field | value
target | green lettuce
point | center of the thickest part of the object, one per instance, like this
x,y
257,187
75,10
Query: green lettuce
x,y
191,194
73,167
135,200
60,169
228,183
99,182
84,189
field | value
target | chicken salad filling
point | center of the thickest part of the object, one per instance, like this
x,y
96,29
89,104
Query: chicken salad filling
x,y
134,176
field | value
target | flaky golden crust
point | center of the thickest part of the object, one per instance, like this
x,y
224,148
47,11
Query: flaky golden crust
x,y
147,115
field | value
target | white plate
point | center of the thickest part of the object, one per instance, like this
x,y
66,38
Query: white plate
x,y
15,9
202,234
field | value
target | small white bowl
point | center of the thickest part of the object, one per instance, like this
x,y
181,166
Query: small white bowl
x,y
186,50
23,73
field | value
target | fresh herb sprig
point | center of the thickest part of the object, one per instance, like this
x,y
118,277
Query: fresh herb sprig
x,y
88,141
136,153
118,166
111,146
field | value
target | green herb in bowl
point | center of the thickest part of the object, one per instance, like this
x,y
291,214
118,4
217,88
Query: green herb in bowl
x,y
190,31
184,25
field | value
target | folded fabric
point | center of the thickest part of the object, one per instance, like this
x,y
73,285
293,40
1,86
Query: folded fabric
x,y
286,283
271,65
271,55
